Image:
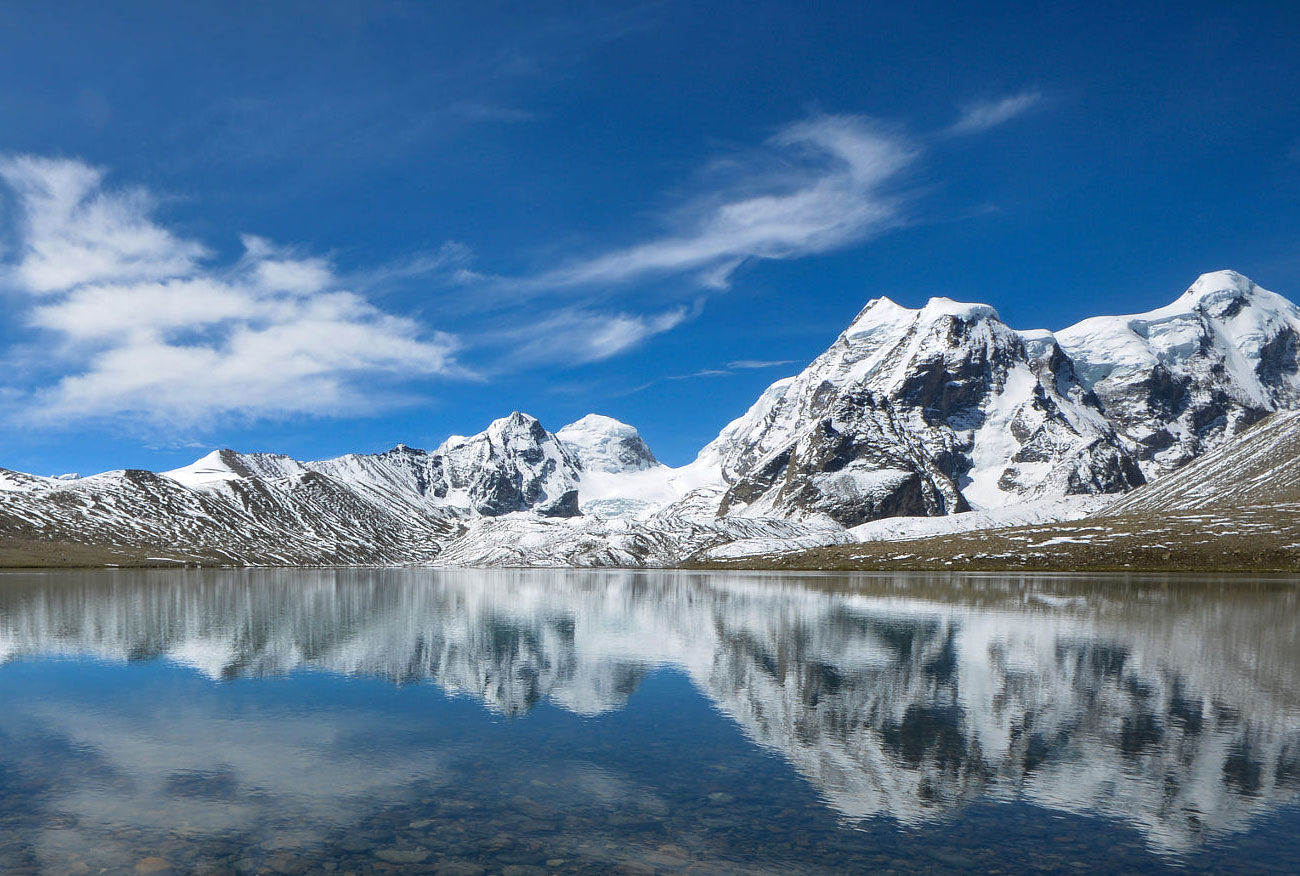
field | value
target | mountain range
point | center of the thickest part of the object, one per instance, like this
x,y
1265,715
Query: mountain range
x,y
942,411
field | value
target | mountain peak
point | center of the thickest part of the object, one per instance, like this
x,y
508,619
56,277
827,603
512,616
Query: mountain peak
x,y
940,306
402,447
1179,379
223,464
884,313
598,423
604,444
1219,281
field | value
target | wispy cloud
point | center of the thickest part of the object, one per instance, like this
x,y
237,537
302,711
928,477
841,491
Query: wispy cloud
x,y
746,364
576,336
818,185
449,263
727,370
145,326
983,115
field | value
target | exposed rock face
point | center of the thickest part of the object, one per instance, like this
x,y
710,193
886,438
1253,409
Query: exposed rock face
x,y
920,412
1179,380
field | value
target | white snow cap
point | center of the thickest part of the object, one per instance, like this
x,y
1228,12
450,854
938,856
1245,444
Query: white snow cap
x,y
1217,286
1239,316
937,307
885,313
606,444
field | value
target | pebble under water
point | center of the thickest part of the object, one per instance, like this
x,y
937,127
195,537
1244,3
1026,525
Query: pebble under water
x,y
524,723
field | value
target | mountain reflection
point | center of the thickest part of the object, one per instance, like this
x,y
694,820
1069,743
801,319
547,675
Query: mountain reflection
x,y
1173,708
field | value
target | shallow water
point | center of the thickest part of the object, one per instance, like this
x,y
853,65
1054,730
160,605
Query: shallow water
x,y
525,723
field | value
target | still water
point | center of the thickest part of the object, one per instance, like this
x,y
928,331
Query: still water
x,y
529,723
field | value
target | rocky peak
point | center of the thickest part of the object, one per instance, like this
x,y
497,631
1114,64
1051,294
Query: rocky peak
x,y
513,465
919,412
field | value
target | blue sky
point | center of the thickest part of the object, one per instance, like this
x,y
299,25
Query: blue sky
x,y
318,228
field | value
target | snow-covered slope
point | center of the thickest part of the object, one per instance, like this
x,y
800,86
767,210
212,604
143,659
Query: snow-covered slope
x,y
221,466
1179,380
306,518
920,412
620,476
391,508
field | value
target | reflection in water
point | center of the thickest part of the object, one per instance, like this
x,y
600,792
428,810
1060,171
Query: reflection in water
x,y
1173,709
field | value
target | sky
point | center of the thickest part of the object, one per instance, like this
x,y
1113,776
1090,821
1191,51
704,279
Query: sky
x,y
318,228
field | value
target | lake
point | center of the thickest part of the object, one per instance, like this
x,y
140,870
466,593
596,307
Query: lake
x,y
524,723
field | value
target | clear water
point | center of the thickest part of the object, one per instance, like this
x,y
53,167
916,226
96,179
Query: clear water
x,y
527,723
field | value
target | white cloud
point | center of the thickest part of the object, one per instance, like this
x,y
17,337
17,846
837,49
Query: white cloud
x,y
831,190
983,115
74,232
576,336
148,328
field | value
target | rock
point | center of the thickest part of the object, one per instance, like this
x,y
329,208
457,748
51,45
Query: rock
x,y
636,868
402,856
152,865
287,865
460,868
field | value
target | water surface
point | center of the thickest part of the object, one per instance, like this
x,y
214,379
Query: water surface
x,y
526,723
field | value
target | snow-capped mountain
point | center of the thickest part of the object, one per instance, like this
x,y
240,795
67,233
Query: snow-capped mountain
x,y
513,465
1178,380
920,412
910,413
603,444
396,507
516,465
303,518
620,476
